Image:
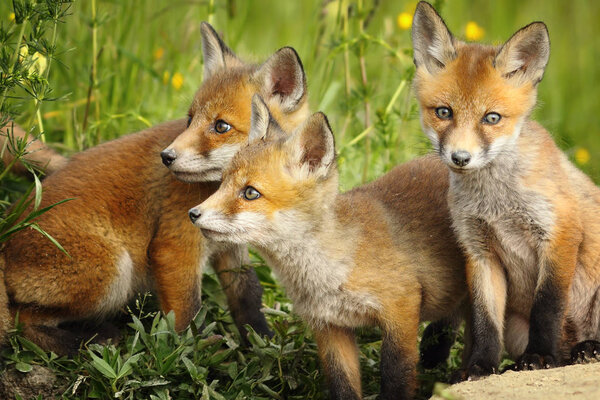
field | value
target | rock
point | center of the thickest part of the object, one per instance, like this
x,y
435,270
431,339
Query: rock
x,y
39,381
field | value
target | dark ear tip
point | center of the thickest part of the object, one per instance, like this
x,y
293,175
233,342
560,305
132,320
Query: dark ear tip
x,y
206,27
422,5
424,8
292,53
322,118
290,50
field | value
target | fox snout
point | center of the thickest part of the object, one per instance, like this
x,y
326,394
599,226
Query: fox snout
x,y
194,214
461,158
168,156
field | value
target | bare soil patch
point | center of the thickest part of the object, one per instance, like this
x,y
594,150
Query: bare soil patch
x,y
572,382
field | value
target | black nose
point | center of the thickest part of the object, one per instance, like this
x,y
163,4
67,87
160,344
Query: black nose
x,y
461,158
194,214
168,156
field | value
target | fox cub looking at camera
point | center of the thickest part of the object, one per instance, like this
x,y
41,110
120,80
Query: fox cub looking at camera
x,y
371,256
528,220
127,225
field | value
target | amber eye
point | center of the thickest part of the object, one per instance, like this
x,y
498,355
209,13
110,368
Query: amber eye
x,y
222,126
492,118
250,193
189,121
443,112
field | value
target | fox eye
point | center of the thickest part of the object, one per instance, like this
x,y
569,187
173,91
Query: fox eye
x,y
189,121
222,126
492,118
443,112
250,193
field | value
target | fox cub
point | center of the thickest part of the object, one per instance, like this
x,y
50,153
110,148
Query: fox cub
x,y
528,220
127,228
371,256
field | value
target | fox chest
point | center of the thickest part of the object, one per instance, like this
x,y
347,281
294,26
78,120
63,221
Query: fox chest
x,y
341,308
315,284
505,221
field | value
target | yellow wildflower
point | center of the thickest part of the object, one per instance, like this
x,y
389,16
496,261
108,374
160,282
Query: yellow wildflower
x,y
11,17
40,62
166,77
404,20
582,156
474,31
158,53
177,80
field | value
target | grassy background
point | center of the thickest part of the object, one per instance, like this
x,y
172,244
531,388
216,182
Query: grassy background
x,y
126,65
141,45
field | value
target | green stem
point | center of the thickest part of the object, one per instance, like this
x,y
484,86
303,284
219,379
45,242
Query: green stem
x,y
38,104
8,167
211,11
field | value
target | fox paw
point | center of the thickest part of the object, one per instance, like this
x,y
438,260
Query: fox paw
x,y
586,351
533,361
472,373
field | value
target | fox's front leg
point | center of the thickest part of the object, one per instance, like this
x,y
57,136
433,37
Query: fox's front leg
x,y
399,355
176,258
242,288
339,356
558,259
487,287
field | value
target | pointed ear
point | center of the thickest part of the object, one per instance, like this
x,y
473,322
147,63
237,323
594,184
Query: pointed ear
x,y
216,53
259,120
525,55
433,44
315,142
282,76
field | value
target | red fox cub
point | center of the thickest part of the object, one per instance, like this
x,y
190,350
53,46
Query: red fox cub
x,y
126,228
371,256
39,156
528,220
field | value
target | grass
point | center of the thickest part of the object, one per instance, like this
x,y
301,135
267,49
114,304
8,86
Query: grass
x,y
121,66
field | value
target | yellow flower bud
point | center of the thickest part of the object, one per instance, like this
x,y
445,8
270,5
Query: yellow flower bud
x,y
177,80
40,62
166,77
158,53
474,31
404,20
582,156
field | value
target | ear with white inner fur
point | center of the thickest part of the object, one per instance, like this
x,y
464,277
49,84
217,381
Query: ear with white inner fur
x,y
433,44
282,76
259,119
315,143
215,52
525,55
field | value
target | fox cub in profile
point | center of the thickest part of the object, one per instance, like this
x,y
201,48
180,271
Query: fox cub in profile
x,y
371,256
528,220
127,226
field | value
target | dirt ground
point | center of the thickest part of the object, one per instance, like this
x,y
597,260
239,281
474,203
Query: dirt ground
x,y
572,382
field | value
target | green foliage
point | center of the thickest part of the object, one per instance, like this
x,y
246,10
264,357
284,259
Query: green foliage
x,y
25,58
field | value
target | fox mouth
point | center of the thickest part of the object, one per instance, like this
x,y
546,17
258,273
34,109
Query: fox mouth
x,y
212,234
197,176
461,171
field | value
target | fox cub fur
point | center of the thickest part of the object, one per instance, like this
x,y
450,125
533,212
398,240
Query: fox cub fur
x,y
528,220
371,256
126,227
